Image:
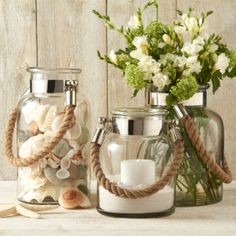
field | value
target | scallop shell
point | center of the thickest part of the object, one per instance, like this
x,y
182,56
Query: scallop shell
x,y
73,198
65,163
62,174
33,145
61,149
50,174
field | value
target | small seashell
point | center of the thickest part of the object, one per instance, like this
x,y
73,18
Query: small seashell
x,y
70,154
73,198
61,149
50,174
43,163
55,158
65,163
33,128
62,174
52,163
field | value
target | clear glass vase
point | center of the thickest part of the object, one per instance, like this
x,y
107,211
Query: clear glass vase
x,y
40,113
135,154
195,184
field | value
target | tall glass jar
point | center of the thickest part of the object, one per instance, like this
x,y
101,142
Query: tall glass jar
x,y
195,184
40,113
135,154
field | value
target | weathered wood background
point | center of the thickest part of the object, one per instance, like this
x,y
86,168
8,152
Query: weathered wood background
x,y
64,33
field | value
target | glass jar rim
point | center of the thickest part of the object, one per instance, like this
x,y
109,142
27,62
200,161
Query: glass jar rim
x,y
138,111
51,70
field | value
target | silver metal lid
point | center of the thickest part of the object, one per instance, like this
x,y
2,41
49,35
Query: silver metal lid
x,y
138,121
159,98
51,80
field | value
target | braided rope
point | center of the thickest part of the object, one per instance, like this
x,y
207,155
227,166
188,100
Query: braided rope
x,y
130,193
224,174
44,151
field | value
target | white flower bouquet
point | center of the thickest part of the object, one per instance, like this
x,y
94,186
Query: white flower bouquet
x,y
173,58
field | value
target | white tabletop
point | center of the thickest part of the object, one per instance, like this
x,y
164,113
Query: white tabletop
x,y
218,219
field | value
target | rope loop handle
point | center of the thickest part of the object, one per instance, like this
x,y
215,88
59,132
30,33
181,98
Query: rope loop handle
x,y
44,151
224,174
136,193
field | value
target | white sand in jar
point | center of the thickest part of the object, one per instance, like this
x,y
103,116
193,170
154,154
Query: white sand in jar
x,y
158,202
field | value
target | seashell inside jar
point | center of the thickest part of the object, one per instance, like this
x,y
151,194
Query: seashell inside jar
x,y
65,167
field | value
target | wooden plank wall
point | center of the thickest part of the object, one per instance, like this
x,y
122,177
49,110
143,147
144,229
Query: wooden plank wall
x,y
64,33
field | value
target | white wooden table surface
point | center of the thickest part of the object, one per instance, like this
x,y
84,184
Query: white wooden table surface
x,y
213,220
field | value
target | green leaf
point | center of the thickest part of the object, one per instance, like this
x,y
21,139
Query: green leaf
x,y
215,79
170,100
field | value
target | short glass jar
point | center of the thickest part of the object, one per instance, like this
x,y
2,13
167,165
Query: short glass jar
x,y
196,185
40,113
135,154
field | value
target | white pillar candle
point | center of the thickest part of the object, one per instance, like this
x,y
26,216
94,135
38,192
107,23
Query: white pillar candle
x,y
137,172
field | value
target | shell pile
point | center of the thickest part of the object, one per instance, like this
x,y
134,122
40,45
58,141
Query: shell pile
x,y
64,167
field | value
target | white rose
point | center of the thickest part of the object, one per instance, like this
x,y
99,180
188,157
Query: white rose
x,y
113,57
191,49
166,38
141,43
149,65
160,81
222,63
134,22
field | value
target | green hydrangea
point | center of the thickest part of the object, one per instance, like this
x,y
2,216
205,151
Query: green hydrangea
x,y
155,30
185,88
134,77
124,60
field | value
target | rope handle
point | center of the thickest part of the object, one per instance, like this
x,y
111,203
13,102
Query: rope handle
x,y
44,151
223,173
136,193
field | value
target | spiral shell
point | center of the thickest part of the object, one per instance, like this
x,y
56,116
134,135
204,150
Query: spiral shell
x,y
73,198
